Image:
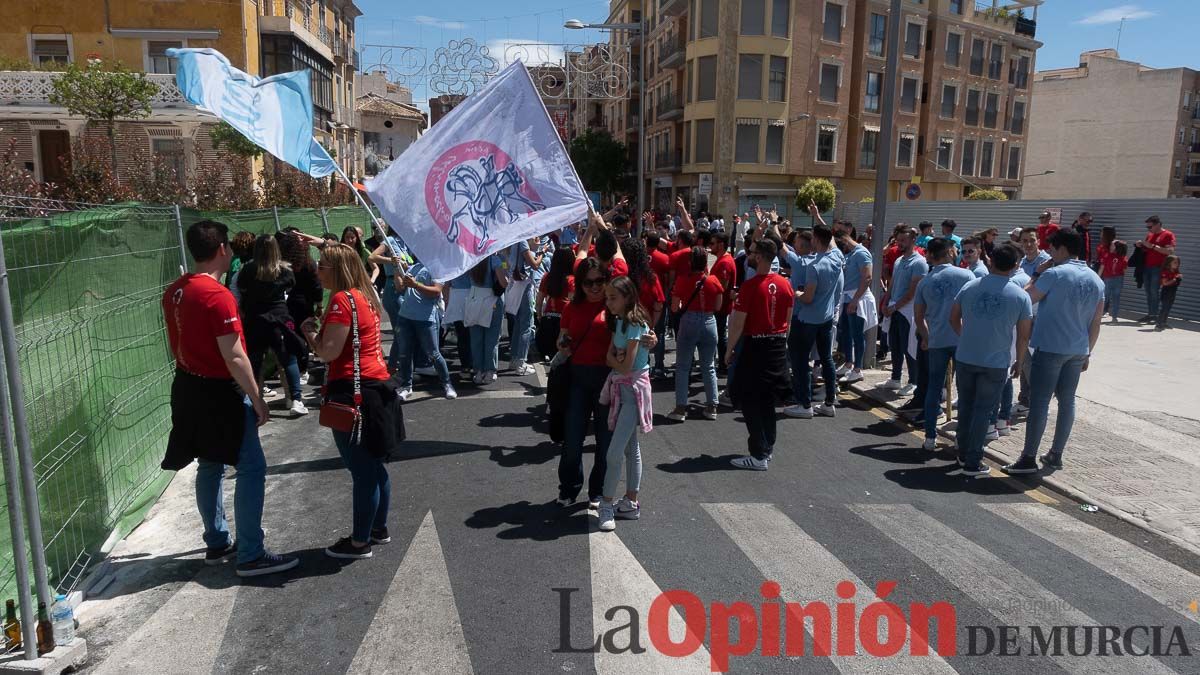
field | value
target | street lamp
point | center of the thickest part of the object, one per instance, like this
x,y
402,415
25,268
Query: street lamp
x,y
1034,175
638,28
950,171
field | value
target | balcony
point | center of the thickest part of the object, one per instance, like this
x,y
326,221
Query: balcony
x,y
671,160
1194,149
357,58
669,109
1192,181
1027,27
325,35
670,52
672,7
287,25
32,89
341,50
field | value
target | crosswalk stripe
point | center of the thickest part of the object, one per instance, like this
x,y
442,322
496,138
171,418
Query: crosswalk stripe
x,y
417,627
993,583
806,572
167,644
1166,582
619,579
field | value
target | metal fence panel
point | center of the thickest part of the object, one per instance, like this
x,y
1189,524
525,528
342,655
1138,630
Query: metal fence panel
x,y
1181,216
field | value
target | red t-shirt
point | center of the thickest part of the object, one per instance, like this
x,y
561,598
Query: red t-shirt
x,y
557,305
617,268
1043,234
1102,254
766,300
650,294
891,254
576,319
1165,237
661,264
725,270
681,262
371,363
198,310
1112,265
1169,277
706,301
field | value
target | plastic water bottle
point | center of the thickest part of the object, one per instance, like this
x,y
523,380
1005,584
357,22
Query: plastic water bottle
x,y
62,618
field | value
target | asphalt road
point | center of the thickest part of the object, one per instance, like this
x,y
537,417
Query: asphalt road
x,y
485,574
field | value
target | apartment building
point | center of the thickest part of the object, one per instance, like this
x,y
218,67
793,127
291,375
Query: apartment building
x,y
747,99
1114,129
262,37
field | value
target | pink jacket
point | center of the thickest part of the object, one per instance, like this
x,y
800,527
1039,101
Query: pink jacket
x,y
611,397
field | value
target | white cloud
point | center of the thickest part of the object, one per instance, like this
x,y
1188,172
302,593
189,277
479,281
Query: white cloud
x,y
1115,14
531,52
438,23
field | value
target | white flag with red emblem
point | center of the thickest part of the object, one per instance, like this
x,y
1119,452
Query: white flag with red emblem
x,y
492,172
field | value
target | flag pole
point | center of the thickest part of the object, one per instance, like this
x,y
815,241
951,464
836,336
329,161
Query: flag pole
x,y
376,223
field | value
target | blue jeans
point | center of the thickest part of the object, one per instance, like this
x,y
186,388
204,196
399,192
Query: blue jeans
x,y
523,330
583,405
291,369
623,447
1051,375
852,338
485,341
978,395
696,330
800,344
391,305
1152,281
1112,295
372,491
247,496
660,349
898,345
1006,403
412,335
939,359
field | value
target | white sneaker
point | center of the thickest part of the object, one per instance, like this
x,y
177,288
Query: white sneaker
x,y
524,369
906,390
750,463
991,436
679,414
1020,409
628,509
405,393
451,394
298,408
843,369
799,412
303,378
892,385
607,516
1002,428
852,377
489,376
825,410
930,444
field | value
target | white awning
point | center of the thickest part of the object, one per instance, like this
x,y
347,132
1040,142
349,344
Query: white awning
x,y
871,127
828,127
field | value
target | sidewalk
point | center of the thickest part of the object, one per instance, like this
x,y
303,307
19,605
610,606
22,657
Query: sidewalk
x,y
1135,447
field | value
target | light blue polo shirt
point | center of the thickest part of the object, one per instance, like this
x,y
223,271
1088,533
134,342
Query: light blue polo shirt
x,y
991,308
1072,291
621,337
936,294
415,305
568,236
980,269
825,270
797,264
907,268
852,272
1022,280
1030,266
957,246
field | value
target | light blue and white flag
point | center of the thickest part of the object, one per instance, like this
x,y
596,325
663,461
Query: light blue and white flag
x,y
275,113
491,173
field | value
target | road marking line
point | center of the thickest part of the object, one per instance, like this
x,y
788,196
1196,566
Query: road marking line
x,y
1166,582
619,579
808,572
417,627
540,372
998,587
188,628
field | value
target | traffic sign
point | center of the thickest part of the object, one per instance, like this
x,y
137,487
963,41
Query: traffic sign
x,y
913,192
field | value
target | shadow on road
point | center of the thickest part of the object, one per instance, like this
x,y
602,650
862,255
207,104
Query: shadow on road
x,y
537,522
524,455
896,453
701,464
946,478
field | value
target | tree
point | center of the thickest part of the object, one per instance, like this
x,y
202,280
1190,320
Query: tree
x,y
817,190
225,136
104,93
988,195
600,160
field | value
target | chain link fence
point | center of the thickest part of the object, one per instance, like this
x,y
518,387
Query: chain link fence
x,y
85,284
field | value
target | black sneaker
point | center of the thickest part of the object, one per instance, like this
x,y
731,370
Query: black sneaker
x,y
1146,319
267,563
1052,460
976,471
1020,467
345,549
380,536
914,404
216,556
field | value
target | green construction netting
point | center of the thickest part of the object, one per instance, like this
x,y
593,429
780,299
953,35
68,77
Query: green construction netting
x,y
85,288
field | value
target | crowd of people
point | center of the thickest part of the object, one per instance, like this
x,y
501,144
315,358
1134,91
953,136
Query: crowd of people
x,y
598,305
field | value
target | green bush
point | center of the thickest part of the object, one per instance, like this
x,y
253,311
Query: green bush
x,y
988,195
817,190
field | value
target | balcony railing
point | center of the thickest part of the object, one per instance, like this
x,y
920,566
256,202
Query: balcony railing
x,y
669,108
671,159
357,59
1191,181
1026,27
1195,148
32,88
670,51
325,35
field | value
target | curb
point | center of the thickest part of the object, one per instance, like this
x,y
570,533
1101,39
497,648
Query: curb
x,y
869,392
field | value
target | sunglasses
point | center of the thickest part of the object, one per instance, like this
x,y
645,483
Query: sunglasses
x,y
593,282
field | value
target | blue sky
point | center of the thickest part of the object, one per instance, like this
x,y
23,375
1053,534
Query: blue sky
x,y
1159,33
